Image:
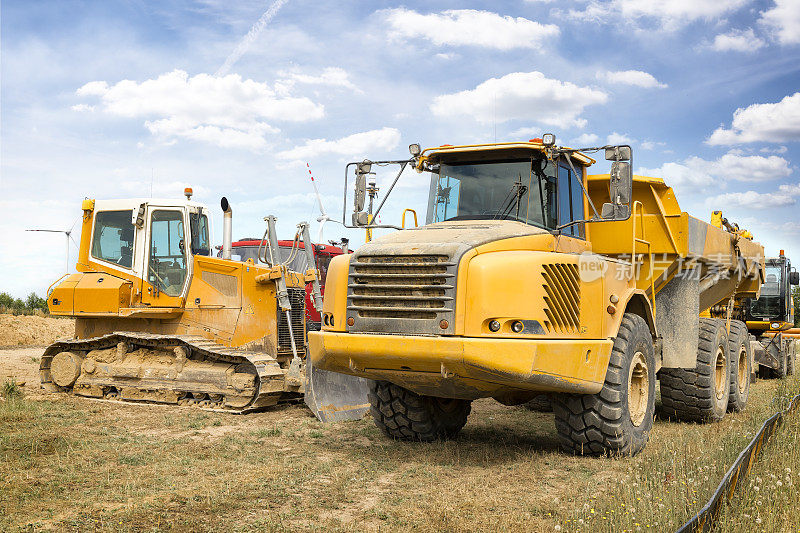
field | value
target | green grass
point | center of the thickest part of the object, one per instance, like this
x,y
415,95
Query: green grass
x,y
76,465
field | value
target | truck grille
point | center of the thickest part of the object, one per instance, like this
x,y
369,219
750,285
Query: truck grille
x,y
298,299
563,298
416,287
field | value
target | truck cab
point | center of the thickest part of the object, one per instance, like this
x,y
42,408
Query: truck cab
x,y
773,310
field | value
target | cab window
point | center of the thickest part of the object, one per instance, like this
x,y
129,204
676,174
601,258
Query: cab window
x,y
199,225
166,269
570,201
113,237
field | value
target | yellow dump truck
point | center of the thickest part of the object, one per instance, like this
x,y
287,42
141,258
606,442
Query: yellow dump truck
x,y
517,285
160,320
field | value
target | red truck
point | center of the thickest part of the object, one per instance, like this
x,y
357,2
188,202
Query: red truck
x,y
247,248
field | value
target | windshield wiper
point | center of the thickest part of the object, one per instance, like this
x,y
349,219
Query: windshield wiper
x,y
513,198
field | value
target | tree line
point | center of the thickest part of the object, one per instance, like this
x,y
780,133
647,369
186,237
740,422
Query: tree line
x,y
31,305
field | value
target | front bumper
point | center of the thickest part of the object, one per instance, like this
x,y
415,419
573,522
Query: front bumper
x,y
466,367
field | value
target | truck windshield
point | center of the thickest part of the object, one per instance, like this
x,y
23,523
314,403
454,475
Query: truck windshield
x,y
768,306
503,190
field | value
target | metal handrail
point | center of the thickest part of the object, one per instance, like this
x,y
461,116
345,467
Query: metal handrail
x,y
649,249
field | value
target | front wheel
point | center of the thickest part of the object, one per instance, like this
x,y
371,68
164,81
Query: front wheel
x,y
405,415
618,419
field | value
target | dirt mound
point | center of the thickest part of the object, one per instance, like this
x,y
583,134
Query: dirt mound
x,y
24,330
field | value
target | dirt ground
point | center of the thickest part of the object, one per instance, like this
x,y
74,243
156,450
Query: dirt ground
x,y
74,464
22,330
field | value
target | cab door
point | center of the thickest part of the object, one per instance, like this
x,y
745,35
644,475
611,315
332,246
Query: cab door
x,y
166,269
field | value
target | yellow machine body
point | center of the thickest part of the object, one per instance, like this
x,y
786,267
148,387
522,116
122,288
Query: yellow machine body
x,y
570,293
158,319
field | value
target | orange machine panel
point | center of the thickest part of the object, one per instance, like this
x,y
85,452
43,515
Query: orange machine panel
x,y
101,294
60,301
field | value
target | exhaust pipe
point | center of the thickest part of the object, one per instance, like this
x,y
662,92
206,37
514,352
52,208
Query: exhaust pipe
x,y
227,228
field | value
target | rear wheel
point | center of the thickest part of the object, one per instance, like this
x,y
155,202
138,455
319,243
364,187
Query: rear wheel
x,y
700,394
739,353
618,419
405,415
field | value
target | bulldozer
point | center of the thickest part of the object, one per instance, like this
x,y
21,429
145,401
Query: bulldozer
x,y
518,285
158,319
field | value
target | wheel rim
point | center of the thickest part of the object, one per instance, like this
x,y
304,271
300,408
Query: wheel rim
x,y
720,375
638,389
743,374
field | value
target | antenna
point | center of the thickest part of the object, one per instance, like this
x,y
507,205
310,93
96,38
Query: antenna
x,y
68,234
323,217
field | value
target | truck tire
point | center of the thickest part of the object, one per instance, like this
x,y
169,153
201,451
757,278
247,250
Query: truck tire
x,y
404,415
739,350
617,420
540,403
700,394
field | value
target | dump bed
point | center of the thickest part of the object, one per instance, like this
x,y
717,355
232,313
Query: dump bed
x,y
669,242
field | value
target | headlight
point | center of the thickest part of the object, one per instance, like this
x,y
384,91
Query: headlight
x,y
494,325
775,325
517,326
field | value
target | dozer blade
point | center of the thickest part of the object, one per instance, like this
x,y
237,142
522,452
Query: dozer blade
x,y
333,397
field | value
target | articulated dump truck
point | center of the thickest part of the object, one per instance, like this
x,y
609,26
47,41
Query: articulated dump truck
x,y
160,320
517,285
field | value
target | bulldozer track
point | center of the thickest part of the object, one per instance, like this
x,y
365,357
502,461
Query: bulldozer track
x,y
269,384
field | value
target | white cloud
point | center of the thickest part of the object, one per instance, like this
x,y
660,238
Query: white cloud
x,y
668,14
618,138
330,77
651,145
356,145
529,132
755,200
586,139
170,189
696,173
225,111
783,19
468,27
770,150
773,122
636,78
521,96
737,41
82,107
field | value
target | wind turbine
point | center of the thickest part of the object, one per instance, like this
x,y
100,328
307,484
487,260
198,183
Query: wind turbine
x,y
323,217
68,234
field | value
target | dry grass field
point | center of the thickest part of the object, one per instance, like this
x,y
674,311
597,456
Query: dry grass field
x,y
72,464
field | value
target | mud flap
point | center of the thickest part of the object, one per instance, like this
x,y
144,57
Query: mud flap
x,y
333,397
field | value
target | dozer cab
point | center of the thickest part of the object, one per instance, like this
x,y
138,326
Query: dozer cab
x,y
159,319
531,277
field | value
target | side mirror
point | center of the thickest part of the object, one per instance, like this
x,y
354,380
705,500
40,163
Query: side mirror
x,y
361,192
362,170
620,185
794,278
618,153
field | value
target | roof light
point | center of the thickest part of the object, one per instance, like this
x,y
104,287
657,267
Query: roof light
x,y
414,149
549,139
188,193
535,140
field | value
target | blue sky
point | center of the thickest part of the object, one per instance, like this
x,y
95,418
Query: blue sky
x,y
106,99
